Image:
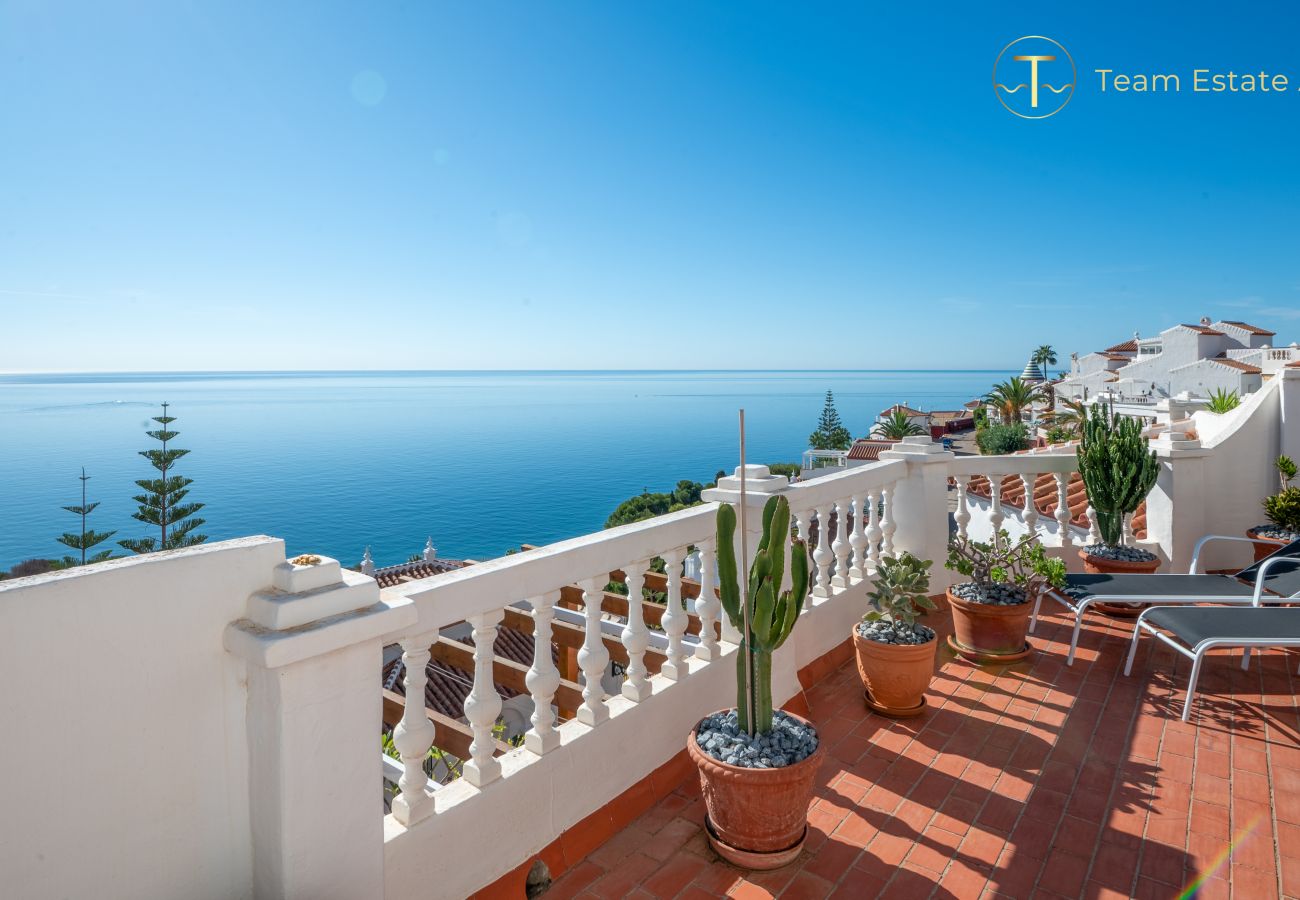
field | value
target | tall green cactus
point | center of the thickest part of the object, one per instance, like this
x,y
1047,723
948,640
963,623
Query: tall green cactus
x,y
772,612
1117,467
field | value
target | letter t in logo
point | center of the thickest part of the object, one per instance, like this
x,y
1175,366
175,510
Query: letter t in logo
x,y
1033,75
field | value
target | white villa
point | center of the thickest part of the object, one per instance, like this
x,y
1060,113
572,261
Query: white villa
x,y
1185,361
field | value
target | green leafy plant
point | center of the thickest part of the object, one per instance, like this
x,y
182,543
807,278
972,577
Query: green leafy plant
x,y
1222,401
160,504
901,592
896,426
1283,508
771,612
831,433
1024,563
1059,435
1012,397
1118,469
999,439
87,539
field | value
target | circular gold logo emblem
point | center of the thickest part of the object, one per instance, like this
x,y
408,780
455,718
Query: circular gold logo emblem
x,y
1034,77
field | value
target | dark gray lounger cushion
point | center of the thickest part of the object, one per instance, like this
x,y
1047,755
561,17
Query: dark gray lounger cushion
x,y
1193,624
1153,588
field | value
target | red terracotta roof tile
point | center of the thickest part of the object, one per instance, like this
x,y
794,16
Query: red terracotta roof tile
x,y
1202,329
389,576
1129,346
1237,364
870,450
1253,329
1046,499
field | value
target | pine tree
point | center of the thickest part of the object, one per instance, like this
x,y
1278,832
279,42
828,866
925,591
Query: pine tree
x,y
160,504
86,539
831,433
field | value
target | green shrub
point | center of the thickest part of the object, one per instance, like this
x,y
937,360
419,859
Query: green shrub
x,y
1222,401
1058,434
998,439
1283,509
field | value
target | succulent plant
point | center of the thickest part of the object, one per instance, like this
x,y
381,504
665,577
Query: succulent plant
x,y
772,612
1024,563
1118,469
901,591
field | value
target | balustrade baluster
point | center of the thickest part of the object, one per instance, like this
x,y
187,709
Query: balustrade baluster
x,y
1128,529
1063,507
543,678
707,605
874,533
858,541
593,658
674,620
822,556
1094,533
803,518
995,505
636,637
483,705
841,545
887,524
414,734
962,516
1031,508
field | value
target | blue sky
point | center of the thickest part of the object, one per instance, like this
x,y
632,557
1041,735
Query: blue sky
x,y
236,185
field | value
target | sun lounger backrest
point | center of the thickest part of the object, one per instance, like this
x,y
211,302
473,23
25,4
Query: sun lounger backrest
x,y
1281,578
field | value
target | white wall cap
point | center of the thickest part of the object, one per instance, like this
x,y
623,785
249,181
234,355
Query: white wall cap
x,y
276,610
297,579
276,649
758,480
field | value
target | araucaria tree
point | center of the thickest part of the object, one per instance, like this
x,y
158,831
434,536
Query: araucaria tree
x,y
87,539
160,504
831,433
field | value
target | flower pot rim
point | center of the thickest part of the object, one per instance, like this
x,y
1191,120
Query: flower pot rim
x,y
857,636
976,603
703,757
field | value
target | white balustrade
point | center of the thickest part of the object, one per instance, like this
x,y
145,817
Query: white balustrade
x,y
840,547
1031,508
1094,533
543,679
483,705
962,516
674,619
822,555
414,734
707,605
858,540
887,524
1128,529
593,658
996,516
873,533
1063,507
636,637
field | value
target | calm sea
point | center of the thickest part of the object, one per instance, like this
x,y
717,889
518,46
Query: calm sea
x,y
481,461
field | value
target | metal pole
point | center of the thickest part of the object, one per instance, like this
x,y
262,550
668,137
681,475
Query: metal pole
x,y
744,589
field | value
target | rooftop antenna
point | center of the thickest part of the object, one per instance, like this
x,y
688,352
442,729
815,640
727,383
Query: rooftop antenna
x,y
744,597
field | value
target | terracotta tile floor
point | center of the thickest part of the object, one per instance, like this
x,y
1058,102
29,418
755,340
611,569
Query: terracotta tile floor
x,y
1038,780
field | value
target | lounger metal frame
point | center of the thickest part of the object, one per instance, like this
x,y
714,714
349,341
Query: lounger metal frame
x,y
1081,606
1196,653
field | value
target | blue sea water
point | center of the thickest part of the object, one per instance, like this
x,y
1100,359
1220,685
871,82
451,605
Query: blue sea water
x,y
481,461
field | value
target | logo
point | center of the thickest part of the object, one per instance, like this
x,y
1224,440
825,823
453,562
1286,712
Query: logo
x,y
1034,77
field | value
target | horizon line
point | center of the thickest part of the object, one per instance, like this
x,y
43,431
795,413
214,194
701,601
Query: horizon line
x,y
8,373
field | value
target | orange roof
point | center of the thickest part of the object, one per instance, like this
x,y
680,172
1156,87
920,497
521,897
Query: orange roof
x,y
905,408
869,450
1122,356
1202,329
1130,346
1237,364
1251,328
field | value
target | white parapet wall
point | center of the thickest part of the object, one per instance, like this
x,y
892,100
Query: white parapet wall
x,y
116,684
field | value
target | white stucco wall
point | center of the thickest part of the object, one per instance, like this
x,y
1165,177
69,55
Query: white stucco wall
x,y
1202,378
124,747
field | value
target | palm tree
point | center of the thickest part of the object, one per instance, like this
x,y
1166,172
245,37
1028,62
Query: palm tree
x,y
1011,398
1070,415
1045,356
897,426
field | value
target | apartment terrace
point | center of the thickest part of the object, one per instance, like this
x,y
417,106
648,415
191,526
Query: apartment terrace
x,y
235,716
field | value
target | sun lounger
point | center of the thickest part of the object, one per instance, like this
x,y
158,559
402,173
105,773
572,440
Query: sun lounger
x,y
1248,586
1194,631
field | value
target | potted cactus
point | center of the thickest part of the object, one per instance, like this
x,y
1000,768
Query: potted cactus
x,y
1283,511
895,652
1118,469
990,613
758,766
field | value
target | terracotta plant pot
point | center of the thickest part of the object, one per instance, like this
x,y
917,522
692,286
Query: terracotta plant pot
x,y
1100,565
989,632
1263,550
895,676
757,818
